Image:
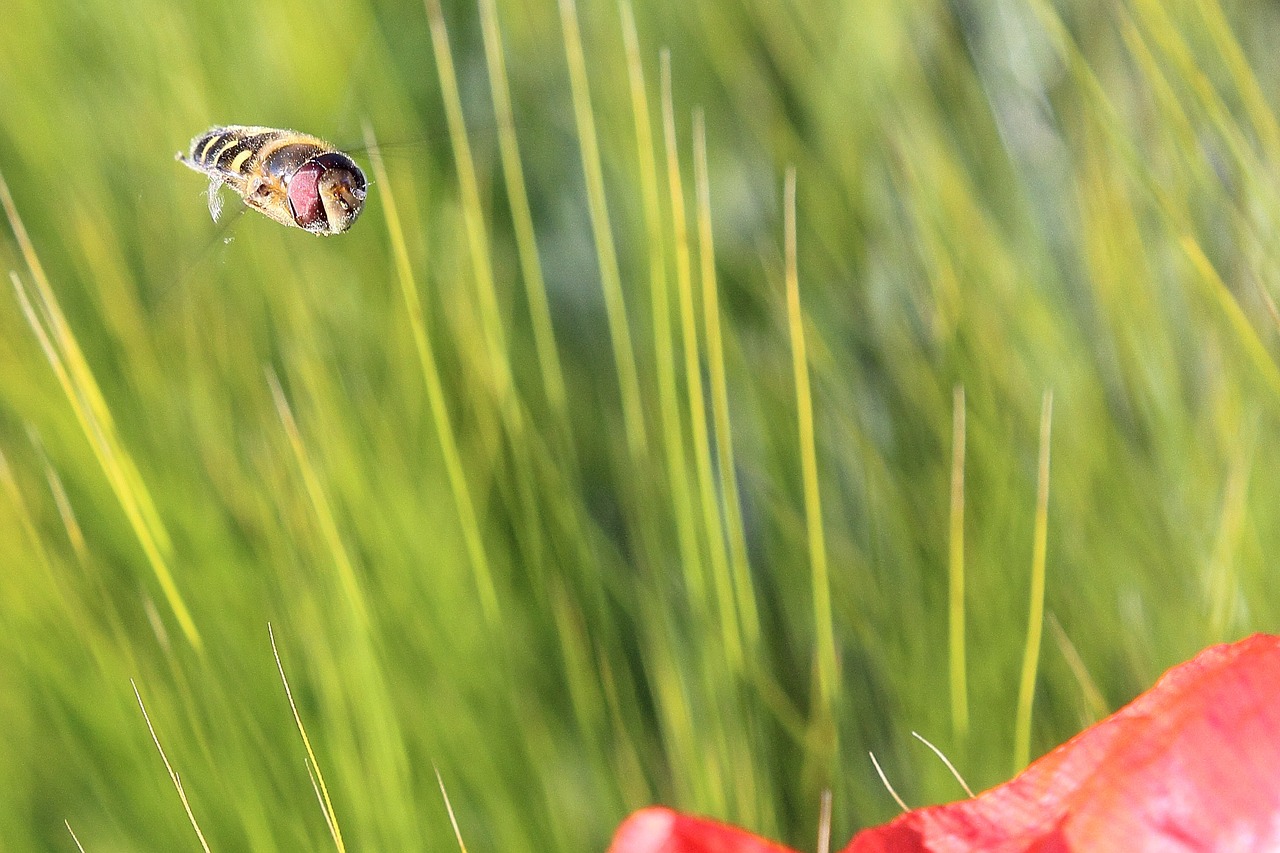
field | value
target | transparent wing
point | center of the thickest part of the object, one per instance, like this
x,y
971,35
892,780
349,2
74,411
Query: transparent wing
x,y
215,198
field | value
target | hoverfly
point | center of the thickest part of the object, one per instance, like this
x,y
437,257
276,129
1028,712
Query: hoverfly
x,y
293,178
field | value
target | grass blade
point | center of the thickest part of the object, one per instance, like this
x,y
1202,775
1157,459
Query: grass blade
x,y
1035,621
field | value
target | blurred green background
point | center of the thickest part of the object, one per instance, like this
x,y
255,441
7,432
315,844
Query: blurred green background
x,y
539,515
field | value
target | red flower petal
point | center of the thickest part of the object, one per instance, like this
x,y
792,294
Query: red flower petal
x,y
1191,765
658,830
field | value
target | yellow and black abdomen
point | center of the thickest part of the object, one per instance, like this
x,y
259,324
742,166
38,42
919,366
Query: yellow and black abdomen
x,y
231,150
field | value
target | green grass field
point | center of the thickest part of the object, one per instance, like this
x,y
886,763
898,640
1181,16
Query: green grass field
x,y
561,473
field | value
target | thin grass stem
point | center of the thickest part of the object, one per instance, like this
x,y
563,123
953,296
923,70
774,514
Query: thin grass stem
x,y
664,344
91,411
885,781
173,776
1035,620
313,766
453,818
712,530
730,496
522,220
828,667
606,253
955,564
946,761
471,535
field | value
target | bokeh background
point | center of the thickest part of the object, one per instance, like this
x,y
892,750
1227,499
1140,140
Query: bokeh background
x,y
520,470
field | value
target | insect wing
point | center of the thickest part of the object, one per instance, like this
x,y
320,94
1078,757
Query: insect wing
x,y
215,198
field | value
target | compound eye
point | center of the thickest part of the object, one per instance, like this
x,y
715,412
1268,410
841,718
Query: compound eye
x,y
327,193
304,197
338,161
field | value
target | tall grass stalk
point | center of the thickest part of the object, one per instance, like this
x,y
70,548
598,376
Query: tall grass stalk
x,y
435,394
712,531
955,573
77,382
730,497
173,776
823,621
1035,618
602,230
313,766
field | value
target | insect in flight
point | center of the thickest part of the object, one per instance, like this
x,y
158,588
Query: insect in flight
x,y
293,178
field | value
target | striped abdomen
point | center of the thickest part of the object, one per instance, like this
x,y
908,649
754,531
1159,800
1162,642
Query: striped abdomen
x,y
242,151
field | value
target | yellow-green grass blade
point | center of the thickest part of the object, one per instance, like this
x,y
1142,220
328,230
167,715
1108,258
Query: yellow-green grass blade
x,y
606,252
828,670
664,344
77,382
730,497
1035,619
713,531
445,434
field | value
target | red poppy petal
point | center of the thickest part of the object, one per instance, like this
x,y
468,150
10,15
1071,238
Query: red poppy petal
x,y
659,830
1191,765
